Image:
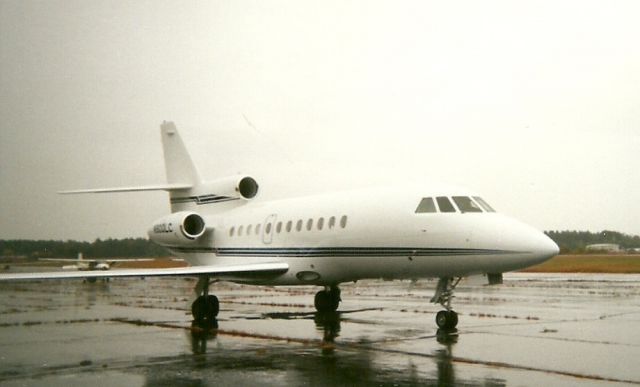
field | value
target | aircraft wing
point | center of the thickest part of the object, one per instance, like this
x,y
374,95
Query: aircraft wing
x,y
246,270
96,259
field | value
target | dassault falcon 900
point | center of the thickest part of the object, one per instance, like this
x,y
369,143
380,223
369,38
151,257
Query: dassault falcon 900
x,y
225,232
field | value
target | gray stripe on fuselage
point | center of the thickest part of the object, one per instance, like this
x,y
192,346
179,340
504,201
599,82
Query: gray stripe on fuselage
x,y
339,251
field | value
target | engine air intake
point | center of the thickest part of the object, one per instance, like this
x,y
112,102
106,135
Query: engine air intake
x,y
248,187
178,229
193,226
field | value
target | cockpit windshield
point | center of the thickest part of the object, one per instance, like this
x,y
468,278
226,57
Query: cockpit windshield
x,y
485,206
445,204
464,204
426,205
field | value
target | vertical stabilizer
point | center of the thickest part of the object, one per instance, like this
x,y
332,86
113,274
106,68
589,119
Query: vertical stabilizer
x,y
178,163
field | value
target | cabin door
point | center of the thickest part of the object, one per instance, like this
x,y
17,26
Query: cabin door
x,y
268,229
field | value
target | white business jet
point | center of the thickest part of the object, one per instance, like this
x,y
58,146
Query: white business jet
x,y
225,232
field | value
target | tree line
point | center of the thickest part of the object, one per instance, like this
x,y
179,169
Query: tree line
x,y
109,248
577,241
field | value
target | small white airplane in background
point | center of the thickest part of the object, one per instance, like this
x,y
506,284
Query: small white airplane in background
x,y
225,232
82,263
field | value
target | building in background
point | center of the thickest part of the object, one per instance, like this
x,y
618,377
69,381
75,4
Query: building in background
x,y
604,247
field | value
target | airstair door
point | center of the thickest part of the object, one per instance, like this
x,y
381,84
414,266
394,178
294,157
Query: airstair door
x,y
268,229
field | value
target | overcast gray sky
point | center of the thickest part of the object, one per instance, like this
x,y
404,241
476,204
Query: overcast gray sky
x,y
536,105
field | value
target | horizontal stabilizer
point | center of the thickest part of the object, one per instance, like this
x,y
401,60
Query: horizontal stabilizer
x,y
241,270
162,187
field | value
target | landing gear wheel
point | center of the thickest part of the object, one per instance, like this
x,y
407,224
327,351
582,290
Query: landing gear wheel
x,y
447,319
326,301
205,308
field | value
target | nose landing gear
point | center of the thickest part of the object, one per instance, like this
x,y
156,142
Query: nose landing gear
x,y
445,319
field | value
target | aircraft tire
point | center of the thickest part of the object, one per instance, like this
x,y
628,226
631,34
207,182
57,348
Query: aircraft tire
x,y
213,307
446,319
205,308
326,302
198,309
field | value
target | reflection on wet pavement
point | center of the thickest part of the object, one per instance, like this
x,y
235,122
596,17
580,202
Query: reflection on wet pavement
x,y
536,329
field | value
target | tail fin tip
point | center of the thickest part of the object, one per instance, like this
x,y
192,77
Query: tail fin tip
x,y
178,163
169,127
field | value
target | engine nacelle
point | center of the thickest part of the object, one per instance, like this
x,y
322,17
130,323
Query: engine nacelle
x,y
240,186
177,229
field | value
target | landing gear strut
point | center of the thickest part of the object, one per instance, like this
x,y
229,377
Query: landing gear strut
x,y
446,319
327,300
206,307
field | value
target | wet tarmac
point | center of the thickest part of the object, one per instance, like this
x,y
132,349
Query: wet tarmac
x,y
536,329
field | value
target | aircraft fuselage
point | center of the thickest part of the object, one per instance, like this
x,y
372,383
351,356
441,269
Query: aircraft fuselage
x,y
376,233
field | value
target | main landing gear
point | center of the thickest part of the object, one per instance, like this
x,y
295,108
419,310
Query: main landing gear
x,y
327,300
206,307
446,319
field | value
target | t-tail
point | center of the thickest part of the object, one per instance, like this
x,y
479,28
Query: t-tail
x,y
188,194
182,172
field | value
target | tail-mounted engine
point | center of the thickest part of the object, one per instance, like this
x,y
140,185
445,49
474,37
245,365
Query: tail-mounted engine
x,y
179,228
240,187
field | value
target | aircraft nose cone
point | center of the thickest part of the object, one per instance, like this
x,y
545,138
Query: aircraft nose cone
x,y
542,248
533,245
548,248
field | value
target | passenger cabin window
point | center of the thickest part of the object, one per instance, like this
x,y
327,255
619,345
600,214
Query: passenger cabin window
x,y
240,231
343,221
485,206
309,224
232,231
332,222
279,227
320,223
426,205
444,204
465,204
289,224
299,225
249,229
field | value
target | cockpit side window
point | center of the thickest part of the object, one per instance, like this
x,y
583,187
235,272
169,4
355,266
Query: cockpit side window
x,y
444,204
485,206
465,204
426,205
